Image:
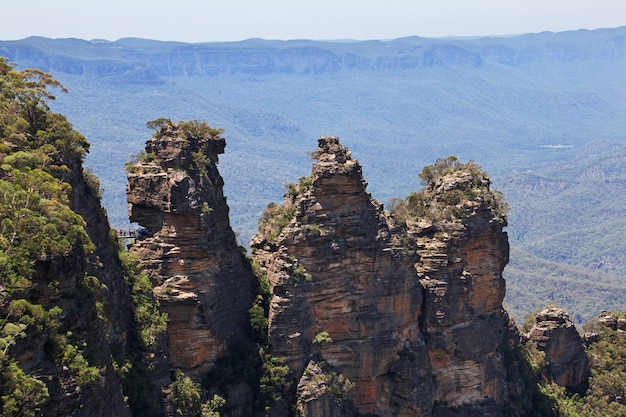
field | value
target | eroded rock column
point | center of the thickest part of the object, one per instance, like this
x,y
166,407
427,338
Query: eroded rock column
x,y
556,336
345,301
186,244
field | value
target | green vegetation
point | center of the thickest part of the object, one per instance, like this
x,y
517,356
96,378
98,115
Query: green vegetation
x,y
576,289
325,380
606,393
299,272
304,184
451,188
191,128
321,338
158,124
250,361
274,219
37,150
73,357
607,385
185,395
149,322
454,108
22,394
525,362
199,129
519,110
39,153
148,327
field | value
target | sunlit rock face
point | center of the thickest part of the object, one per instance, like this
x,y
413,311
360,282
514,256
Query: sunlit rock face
x,y
338,268
188,247
410,313
460,267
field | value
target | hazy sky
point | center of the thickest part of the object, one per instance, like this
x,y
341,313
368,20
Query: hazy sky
x,y
224,20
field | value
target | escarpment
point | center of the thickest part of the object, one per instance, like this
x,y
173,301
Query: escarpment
x,y
187,246
406,306
369,312
64,305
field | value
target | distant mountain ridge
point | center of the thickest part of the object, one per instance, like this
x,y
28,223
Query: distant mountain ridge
x,y
531,109
258,56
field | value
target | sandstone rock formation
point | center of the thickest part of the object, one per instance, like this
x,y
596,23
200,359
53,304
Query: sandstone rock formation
x,y
336,267
189,249
609,320
460,259
411,315
556,336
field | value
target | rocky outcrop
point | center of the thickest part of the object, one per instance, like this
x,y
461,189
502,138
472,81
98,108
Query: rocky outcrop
x,y
555,335
460,257
343,293
409,310
607,319
187,245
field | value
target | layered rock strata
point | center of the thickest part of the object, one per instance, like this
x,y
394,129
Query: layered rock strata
x,y
556,336
410,312
343,295
187,245
460,259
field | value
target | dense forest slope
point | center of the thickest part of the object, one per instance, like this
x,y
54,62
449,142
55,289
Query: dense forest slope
x,y
540,111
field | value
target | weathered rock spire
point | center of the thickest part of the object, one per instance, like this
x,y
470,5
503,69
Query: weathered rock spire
x,y
345,303
189,249
555,335
406,308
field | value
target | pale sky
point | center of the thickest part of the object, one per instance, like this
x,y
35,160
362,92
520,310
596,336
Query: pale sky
x,y
228,20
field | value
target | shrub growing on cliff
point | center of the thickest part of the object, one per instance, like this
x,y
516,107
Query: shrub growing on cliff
x,y
199,129
450,187
274,219
22,395
303,185
149,321
321,338
185,395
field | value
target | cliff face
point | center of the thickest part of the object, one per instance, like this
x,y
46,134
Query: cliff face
x,y
460,260
188,247
64,305
412,315
336,267
72,314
